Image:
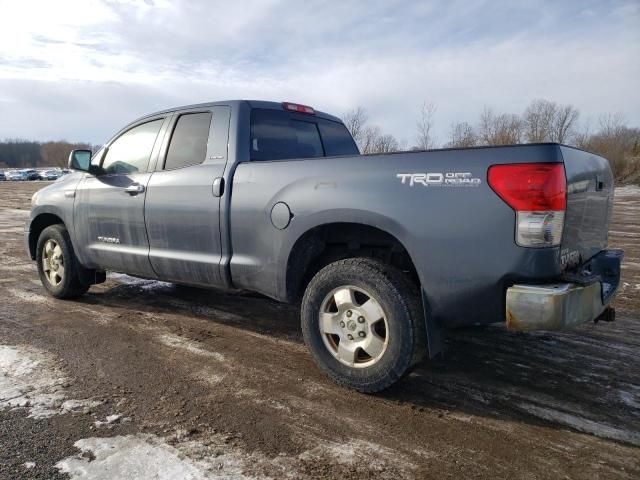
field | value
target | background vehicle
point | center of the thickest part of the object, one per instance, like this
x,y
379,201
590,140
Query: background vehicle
x,y
16,175
31,174
383,251
48,175
2,176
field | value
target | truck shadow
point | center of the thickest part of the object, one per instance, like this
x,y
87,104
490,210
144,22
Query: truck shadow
x,y
587,380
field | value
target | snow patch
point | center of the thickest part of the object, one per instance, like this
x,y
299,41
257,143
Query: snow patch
x,y
27,296
631,399
627,191
141,457
174,341
30,379
138,282
583,424
83,406
110,420
360,452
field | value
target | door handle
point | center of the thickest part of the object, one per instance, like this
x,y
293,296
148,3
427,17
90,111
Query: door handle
x,y
134,189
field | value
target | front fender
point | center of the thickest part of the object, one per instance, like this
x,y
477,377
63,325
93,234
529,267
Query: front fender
x,y
56,199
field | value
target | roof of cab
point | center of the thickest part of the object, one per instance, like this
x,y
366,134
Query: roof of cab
x,y
251,103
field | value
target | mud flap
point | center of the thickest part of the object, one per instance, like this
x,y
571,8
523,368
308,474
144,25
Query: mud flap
x,y
92,277
435,341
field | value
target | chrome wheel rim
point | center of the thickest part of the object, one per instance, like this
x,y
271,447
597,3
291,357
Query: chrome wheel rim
x,y
52,262
353,326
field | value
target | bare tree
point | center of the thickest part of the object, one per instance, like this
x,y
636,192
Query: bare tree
x,y
370,138
538,120
355,120
461,135
425,137
564,124
546,121
499,129
386,143
617,143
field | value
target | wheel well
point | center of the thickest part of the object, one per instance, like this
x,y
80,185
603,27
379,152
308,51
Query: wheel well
x,y
38,224
331,242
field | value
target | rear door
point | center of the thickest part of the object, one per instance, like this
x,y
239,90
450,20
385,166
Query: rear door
x,y
109,207
183,199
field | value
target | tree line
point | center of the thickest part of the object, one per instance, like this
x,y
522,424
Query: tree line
x,y
18,153
542,121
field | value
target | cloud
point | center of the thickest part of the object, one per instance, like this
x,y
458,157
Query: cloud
x,y
388,56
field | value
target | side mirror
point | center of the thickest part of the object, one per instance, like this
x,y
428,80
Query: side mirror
x,y
80,160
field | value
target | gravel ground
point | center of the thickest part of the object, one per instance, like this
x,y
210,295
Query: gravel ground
x,y
143,379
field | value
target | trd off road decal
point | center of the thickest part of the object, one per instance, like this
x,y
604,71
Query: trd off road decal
x,y
447,179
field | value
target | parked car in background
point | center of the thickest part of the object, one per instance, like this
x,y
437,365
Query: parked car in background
x,y
49,175
2,177
15,175
31,174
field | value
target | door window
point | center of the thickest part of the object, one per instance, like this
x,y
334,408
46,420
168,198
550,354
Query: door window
x,y
189,140
131,151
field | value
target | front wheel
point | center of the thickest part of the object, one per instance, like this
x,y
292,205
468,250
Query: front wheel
x,y
362,321
58,266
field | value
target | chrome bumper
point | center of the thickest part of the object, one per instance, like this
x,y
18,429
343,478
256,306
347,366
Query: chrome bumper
x,y
581,298
553,307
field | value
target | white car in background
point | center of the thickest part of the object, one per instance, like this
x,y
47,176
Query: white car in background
x,y
16,175
49,175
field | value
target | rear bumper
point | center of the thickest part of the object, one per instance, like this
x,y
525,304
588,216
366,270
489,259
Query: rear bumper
x,y
562,306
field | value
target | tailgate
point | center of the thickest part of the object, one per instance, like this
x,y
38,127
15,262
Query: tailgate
x,y
589,206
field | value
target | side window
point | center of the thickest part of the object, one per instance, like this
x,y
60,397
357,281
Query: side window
x,y
337,139
130,152
188,144
277,136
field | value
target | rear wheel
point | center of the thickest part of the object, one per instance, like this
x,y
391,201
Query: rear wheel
x,y
363,322
58,267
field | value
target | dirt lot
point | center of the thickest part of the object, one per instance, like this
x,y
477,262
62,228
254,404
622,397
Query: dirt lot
x,y
142,379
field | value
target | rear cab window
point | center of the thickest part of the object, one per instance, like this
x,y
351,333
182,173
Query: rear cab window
x,y
280,135
188,145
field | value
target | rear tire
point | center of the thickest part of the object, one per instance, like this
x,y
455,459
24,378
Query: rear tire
x,y
58,267
362,321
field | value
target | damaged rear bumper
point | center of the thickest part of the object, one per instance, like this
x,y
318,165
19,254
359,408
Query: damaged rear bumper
x,y
567,304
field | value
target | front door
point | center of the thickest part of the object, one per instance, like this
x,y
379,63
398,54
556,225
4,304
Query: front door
x,y
109,206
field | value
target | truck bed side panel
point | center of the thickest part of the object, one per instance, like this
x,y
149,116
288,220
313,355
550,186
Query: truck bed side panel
x,y
460,238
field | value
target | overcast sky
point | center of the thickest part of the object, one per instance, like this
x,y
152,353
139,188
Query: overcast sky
x,y
80,70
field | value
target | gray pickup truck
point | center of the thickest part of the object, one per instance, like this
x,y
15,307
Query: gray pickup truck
x,y
382,251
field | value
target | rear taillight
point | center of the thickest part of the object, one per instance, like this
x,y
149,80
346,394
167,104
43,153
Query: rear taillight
x,y
538,194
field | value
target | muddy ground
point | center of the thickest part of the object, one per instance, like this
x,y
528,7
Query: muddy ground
x,y
142,379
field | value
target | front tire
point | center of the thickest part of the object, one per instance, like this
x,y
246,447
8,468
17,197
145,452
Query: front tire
x,y
362,321
58,266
